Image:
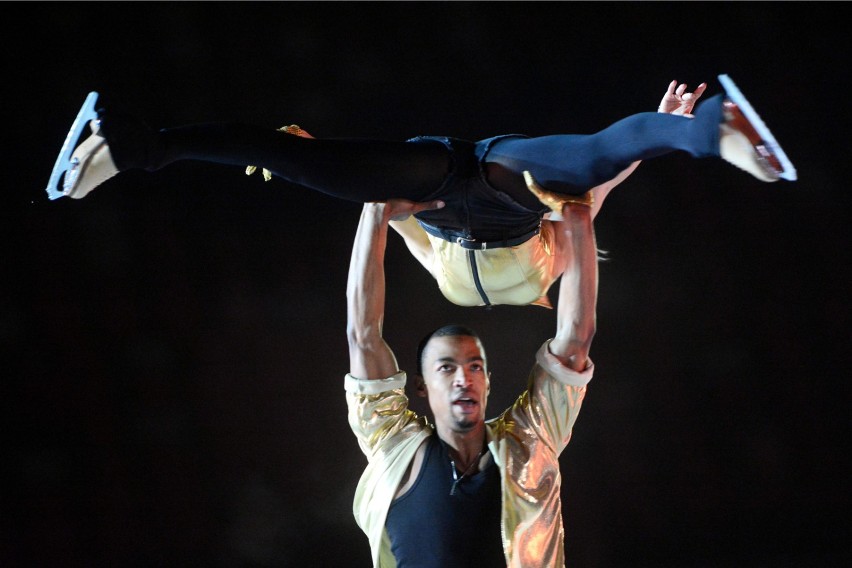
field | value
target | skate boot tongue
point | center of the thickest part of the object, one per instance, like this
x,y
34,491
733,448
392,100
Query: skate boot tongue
x,y
91,165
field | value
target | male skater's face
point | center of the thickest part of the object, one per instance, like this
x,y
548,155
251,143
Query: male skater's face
x,y
455,381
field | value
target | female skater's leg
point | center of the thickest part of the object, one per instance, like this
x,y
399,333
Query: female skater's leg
x,y
574,163
357,170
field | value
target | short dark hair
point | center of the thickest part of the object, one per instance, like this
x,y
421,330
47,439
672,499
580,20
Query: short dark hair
x,y
443,331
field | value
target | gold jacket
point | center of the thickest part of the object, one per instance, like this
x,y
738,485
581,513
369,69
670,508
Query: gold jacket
x,y
525,443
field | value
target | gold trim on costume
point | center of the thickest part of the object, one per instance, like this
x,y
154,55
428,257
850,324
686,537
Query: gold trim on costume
x,y
293,129
556,201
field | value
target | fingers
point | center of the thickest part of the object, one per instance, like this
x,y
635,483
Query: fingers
x,y
693,96
402,209
428,205
677,91
678,101
671,89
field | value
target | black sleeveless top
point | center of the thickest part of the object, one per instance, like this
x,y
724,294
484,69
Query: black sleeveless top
x,y
428,527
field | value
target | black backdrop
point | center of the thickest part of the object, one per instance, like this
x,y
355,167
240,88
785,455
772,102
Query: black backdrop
x,y
174,343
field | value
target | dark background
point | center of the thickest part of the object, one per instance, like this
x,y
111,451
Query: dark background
x,y
174,344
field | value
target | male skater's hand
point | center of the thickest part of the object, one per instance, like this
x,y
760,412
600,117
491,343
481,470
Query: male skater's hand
x,y
401,209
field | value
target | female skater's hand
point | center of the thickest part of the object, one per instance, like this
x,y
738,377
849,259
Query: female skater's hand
x,y
678,101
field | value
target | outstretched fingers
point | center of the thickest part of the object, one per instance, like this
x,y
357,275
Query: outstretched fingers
x,y
678,100
401,209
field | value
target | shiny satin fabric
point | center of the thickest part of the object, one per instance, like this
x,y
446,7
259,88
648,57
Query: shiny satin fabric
x,y
519,275
525,442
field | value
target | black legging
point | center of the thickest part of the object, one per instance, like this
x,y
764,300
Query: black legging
x,y
363,170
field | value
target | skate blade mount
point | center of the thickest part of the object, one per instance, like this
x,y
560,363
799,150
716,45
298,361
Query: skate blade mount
x,y
737,97
63,161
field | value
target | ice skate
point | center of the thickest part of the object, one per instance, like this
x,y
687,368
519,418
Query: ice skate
x,y
82,167
747,143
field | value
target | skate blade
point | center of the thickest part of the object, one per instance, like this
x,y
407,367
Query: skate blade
x,y
63,161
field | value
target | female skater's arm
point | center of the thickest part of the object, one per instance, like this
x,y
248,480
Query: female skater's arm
x,y
676,100
416,240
